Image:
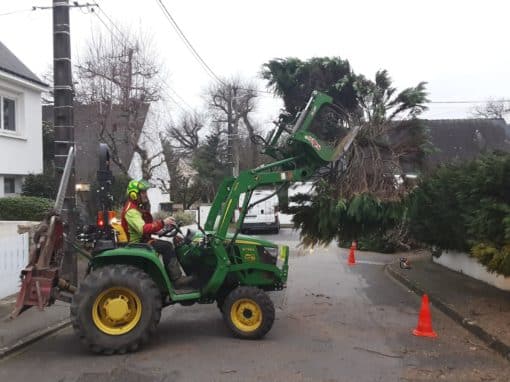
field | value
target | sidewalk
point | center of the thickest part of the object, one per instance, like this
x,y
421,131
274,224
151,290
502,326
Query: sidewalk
x,y
479,307
30,326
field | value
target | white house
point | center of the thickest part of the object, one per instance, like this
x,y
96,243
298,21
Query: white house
x,y
20,122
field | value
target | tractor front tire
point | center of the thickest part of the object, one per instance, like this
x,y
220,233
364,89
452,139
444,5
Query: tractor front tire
x,y
116,309
248,312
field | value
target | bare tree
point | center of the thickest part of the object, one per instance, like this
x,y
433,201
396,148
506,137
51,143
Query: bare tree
x,y
122,80
232,103
492,109
184,136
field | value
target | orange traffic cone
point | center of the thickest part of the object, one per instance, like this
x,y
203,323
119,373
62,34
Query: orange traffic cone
x,y
424,328
351,260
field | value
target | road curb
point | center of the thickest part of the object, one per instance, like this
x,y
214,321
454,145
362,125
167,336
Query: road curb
x,y
471,325
33,337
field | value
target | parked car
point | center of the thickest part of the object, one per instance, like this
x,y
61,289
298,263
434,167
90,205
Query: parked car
x,y
263,216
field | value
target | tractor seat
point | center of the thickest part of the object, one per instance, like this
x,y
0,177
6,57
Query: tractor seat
x,y
120,233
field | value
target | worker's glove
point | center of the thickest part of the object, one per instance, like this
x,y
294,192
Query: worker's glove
x,y
178,240
169,221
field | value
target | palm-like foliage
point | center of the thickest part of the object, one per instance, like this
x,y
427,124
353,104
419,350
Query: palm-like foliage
x,y
391,142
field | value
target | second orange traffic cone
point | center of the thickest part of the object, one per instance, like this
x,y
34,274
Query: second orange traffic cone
x,y
424,327
351,260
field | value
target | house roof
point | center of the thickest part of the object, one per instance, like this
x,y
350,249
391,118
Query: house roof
x,y
11,64
464,139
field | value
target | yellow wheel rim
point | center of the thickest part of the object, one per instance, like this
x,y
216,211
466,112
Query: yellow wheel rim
x,y
246,315
116,311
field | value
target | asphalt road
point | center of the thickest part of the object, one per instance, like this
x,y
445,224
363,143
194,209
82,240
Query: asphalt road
x,y
334,323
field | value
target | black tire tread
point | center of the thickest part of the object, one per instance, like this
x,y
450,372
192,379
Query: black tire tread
x,y
262,299
89,288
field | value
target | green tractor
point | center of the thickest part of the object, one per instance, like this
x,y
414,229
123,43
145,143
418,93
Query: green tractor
x,y
118,305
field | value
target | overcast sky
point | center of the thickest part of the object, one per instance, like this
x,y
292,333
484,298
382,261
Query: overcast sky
x,y
459,47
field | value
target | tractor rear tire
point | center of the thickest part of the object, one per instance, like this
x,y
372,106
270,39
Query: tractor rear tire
x,y
248,312
116,309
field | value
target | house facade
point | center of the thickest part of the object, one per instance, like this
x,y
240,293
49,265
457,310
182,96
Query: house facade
x,y
20,123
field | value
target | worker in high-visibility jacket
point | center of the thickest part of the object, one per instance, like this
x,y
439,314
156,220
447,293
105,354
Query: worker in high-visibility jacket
x,y
139,225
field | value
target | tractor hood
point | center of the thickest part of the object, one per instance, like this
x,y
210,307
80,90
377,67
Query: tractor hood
x,y
245,239
240,239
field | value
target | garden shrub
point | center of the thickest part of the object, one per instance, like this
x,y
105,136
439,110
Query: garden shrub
x,y
29,208
466,207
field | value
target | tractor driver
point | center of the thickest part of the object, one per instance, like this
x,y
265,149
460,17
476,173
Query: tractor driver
x,y
139,225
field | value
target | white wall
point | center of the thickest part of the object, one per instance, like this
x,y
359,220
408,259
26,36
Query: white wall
x,y
13,256
9,228
469,266
21,152
156,197
203,211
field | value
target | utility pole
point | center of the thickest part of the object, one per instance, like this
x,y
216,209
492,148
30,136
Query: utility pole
x,y
64,124
229,130
129,78
235,144
232,136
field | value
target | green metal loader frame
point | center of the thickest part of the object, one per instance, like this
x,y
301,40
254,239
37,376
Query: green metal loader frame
x,y
303,153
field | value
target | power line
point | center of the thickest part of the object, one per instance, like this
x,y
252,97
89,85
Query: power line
x,y
109,29
126,39
467,102
169,88
178,96
18,11
194,52
111,21
178,104
188,44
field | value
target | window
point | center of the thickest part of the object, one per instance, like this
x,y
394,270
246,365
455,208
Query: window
x,y
7,114
9,186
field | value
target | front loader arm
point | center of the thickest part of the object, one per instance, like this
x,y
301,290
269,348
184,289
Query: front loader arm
x,y
310,147
307,149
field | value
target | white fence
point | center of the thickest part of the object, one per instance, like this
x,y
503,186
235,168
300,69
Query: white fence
x,y
13,257
463,263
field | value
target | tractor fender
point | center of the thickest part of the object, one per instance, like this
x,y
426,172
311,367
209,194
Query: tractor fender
x,y
142,258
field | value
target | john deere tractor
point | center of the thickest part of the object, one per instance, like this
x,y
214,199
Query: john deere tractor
x,y
118,305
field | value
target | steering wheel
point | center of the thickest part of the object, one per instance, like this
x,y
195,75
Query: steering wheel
x,y
170,230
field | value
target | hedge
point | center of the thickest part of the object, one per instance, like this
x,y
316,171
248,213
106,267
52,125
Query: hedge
x,y
466,207
29,208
